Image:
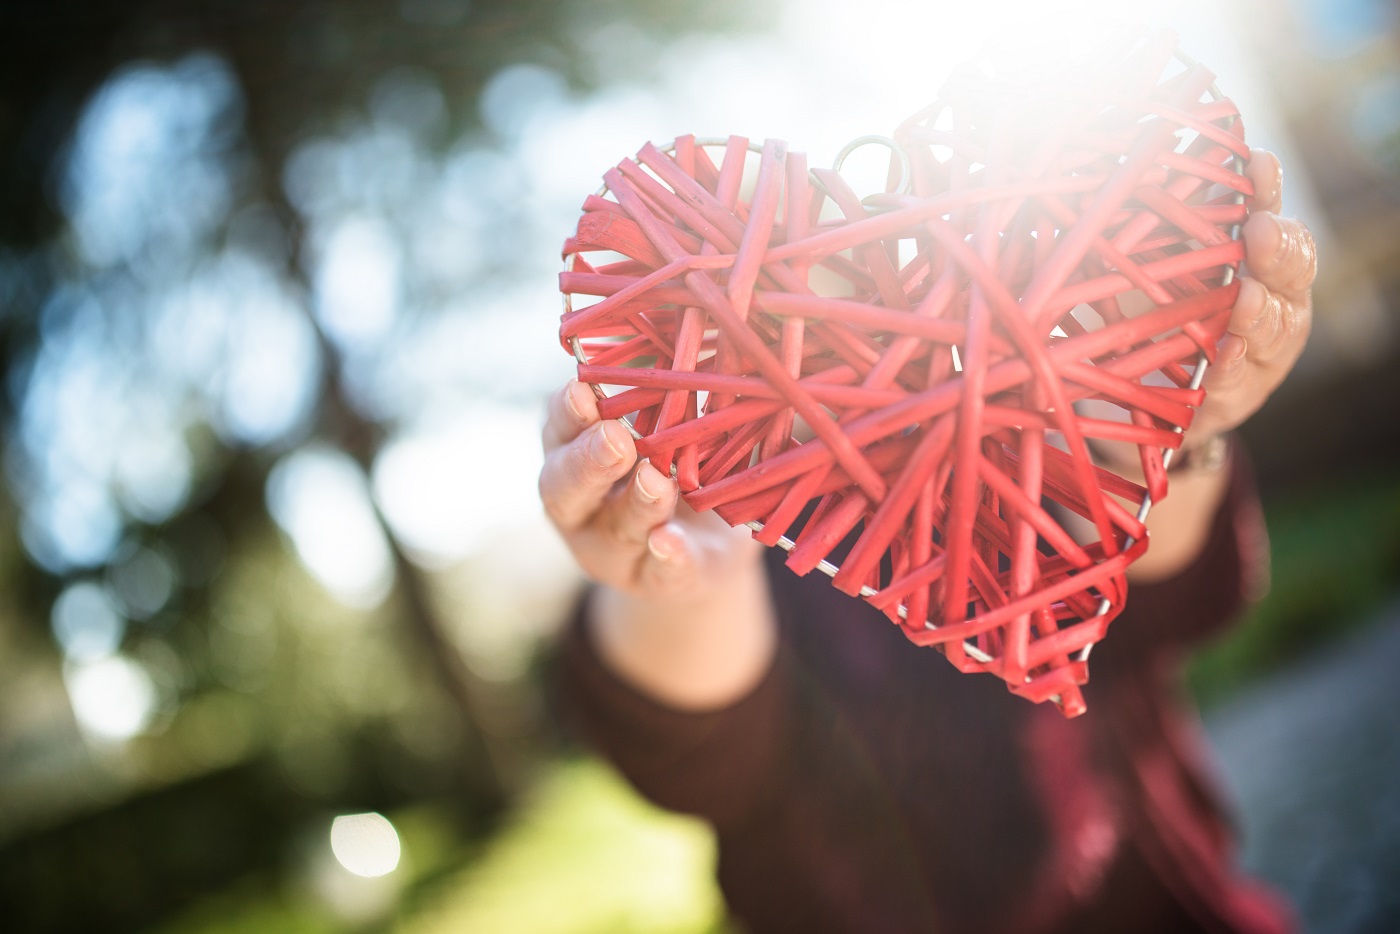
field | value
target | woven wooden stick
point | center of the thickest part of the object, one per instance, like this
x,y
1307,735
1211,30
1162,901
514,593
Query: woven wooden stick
x,y
904,369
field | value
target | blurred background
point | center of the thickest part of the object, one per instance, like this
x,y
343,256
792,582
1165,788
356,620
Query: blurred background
x,y
277,319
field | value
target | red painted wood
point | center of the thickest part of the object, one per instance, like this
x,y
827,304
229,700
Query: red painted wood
x,y
778,347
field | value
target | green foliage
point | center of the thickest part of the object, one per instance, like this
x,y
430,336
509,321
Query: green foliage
x,y
1336,557
250,909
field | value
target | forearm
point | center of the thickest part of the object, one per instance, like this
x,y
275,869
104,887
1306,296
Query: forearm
x,y
699,649
1228,571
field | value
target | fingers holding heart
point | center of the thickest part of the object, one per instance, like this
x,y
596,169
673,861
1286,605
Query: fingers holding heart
x,y
569,412
627,520
614,513
1273,313
1265,173
578,476
1262,328
1272,317
1280,253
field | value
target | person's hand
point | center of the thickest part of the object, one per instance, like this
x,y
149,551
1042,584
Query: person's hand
x,y
1273,314
622,519
684,613
1268,328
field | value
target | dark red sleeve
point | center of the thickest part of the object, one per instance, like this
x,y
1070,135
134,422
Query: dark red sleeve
x,y
723,764
1231,572
718,764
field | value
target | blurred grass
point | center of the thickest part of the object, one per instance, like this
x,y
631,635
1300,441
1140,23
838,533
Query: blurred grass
x,y
585,855
1336,558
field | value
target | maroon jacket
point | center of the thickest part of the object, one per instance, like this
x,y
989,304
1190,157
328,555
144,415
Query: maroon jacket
x,y
865,785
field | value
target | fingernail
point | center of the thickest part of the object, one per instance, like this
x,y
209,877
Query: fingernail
x,y
650,484
1253,299
659,548
1232,350
571,399
602,449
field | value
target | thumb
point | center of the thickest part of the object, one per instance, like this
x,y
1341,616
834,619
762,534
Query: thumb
x,y
669,566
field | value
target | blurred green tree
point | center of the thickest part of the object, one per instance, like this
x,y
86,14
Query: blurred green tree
x,y
176,379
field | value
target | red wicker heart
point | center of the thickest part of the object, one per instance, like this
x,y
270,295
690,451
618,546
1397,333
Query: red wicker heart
x,y
935,348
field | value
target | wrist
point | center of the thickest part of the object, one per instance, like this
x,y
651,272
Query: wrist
x,y
705,581
1210,454
698,652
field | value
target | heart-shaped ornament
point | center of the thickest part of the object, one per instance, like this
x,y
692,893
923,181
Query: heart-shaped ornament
x,y
915,381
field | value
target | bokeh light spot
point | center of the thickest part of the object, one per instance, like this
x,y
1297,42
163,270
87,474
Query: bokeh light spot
x,y
144,582
365,844
86,623
447,488
113,698
358,282
519,94
321,500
